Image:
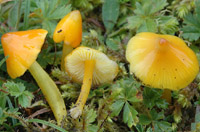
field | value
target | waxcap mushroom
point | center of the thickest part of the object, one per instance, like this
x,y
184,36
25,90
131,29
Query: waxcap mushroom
x,y
162,61
69,29
105,70
27,45
89,66
23,48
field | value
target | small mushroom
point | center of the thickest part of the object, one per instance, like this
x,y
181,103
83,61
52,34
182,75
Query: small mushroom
x,y
90,67
69,30
23,47
162,61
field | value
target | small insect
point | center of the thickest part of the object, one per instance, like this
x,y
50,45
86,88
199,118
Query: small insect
x,y
59,31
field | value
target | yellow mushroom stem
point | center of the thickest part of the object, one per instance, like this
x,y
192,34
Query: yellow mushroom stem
x,y
65,51
167,95
85,89
50,91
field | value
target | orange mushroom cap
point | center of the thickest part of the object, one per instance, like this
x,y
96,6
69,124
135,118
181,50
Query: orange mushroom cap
x,y
162,61
69,29
22,47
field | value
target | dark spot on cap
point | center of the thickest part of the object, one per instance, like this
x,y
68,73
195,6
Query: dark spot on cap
x,y
154,74
174,77
175,69
183,59
59,31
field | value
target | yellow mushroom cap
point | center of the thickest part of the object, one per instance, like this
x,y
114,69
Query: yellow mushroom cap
x,y
162,61
105,70
22,47
69,29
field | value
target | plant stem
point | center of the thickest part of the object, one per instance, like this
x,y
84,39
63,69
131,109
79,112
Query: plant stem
x,y
1,51
50,91
122,29
65,51
85,89
167,95
87,82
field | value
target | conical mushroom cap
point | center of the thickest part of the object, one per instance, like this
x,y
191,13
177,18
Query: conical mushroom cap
x,y
22,48
105,70
69,29
162,61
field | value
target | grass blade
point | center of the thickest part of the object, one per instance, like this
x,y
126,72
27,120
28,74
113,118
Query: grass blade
x,y
14,121
26,13
48,124
3,60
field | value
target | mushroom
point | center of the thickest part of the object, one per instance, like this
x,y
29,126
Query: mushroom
x,y
69,30
90,67
162,61
23,47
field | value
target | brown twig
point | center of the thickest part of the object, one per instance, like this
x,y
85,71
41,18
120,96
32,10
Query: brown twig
x,y
3,91
103,122
96,23
58,82
39,112
35,92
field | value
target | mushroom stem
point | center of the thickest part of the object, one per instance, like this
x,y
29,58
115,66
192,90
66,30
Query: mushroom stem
x,y
65,51
167,95
50,91
85,89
